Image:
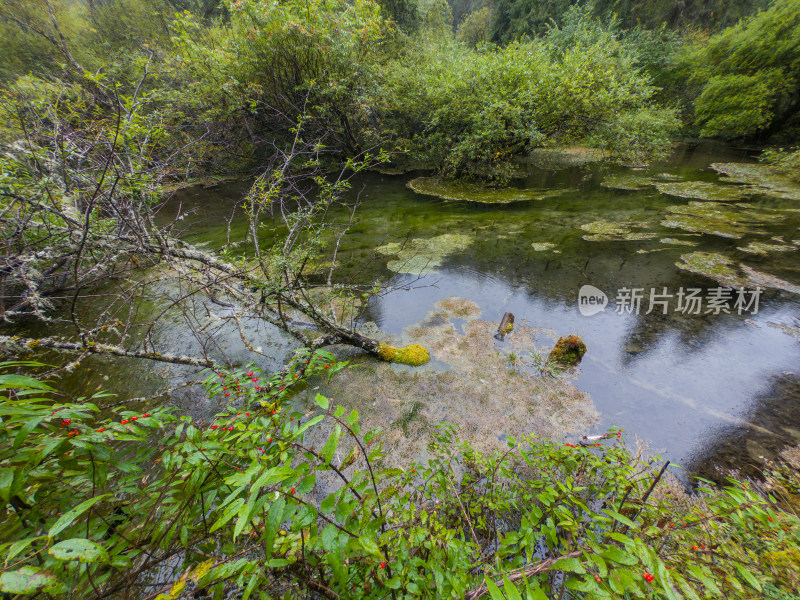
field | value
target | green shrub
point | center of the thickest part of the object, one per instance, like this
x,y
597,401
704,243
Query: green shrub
x,y
101,501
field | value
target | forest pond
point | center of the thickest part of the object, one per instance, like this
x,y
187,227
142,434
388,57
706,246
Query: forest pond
x,y
703,390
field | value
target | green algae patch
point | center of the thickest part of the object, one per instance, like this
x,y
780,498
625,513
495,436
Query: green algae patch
x,y
413,355
717,219
713,265
764,248
542,246
702,190
677,242
471,192
564,157
568,351
615,231
724,271
423,255
627,182
760,179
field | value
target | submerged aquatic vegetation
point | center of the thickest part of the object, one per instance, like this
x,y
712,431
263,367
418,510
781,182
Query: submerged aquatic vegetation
x,y
730,221
677,242
713,265
725,271
760,178
471,192
627,182
764,248
467,382
423,255
543,246
702,190
615,231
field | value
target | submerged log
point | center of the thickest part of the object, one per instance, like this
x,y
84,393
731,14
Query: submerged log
x,y
506,326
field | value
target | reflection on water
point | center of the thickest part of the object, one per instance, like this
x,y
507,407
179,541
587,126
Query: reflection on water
x,y
699,388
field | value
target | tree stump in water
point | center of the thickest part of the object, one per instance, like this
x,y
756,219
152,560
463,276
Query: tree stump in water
x,y
506,326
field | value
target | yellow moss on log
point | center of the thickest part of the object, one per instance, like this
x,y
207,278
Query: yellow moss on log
x,y
413,354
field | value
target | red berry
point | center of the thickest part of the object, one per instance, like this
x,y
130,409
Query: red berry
x,y
383,565
648,577
134,418
292,490
123,422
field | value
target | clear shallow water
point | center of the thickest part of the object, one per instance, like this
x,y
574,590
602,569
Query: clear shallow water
x,y
702,390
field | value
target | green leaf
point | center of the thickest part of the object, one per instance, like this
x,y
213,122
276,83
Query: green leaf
x,y
322,401
6,482
22,382
328,504
19,546
83,550
621,518
273,522
573,565
748,577
393,583
309,423
494,591
601,564
619,556
512,593
68,517
27,580
370,546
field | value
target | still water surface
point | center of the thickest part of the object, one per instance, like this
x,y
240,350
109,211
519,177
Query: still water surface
x,y
702,389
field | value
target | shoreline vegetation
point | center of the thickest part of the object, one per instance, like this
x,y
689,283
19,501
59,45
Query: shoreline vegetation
x,y
107,108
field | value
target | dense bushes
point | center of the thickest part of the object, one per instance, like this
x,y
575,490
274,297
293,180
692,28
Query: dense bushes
x,y
148,500
473,111
746,80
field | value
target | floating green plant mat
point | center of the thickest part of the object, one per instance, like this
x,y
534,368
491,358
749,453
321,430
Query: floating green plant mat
x,y
702,190
677,242
616,231
765,248
470,192
543,246
716,219
760,179
724,271
423,255
713,265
